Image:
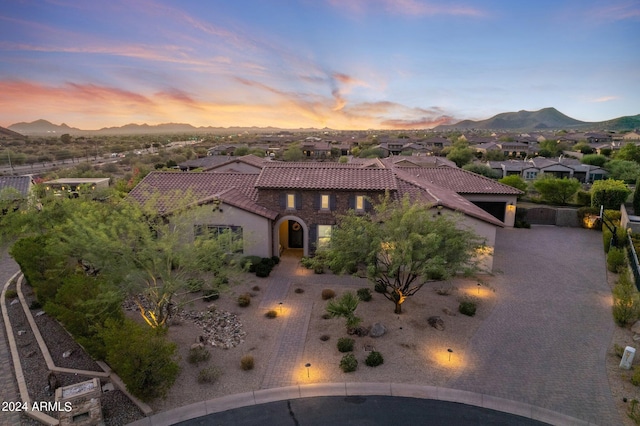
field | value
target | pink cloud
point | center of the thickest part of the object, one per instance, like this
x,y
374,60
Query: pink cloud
x,y
407,7
605,99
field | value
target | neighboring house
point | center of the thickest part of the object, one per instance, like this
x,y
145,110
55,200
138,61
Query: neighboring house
x,y
72,186
294,205
560,168
13,190
245,164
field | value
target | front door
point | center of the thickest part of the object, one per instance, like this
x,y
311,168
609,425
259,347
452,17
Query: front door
x,y
296,236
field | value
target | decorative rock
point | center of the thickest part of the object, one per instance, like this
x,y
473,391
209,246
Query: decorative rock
x,y
21,332
14,302
108,387
30,354
636,327
449,312
39,314
436,322
67,354
197,345
377,330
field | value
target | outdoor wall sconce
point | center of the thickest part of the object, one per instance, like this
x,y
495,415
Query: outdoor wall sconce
x,y
511,207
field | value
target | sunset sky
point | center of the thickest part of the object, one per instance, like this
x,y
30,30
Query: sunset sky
x,y
343,64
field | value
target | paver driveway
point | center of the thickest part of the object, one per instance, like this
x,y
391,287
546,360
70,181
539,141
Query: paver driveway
x,y
545,341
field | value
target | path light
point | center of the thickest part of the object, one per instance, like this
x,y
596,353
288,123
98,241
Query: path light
x,y
280,307
479,288
308,365
450,352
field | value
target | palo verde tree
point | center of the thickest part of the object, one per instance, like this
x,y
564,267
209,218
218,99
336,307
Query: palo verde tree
x,y
403,245
556,190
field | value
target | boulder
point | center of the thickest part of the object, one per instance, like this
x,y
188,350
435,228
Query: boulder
x,y
449,312
377,330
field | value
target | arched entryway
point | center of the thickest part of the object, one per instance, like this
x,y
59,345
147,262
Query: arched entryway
x,y
290,232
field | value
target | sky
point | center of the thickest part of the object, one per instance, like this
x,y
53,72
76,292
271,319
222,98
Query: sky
x,y
341,64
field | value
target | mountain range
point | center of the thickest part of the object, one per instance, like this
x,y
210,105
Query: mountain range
x,y
541,120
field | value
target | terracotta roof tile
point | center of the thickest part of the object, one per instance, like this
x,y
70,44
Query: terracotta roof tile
x,y
330,176
460,181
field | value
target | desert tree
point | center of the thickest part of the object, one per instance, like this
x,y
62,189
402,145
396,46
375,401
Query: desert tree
x,y
403,245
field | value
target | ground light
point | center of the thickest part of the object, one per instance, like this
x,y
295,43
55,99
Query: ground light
x,y
280,308
451,350
308,365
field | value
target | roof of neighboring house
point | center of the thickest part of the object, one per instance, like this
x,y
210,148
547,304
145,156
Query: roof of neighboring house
x,y
77,181
21,184
420,190
210,162
330,176
459,180
418,161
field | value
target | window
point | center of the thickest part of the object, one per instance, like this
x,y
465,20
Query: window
x,y
530,175
359,203
291,201
324,202
324,236
229,236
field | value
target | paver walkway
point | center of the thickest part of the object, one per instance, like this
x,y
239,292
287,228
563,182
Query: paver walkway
x,y
546,340
8,385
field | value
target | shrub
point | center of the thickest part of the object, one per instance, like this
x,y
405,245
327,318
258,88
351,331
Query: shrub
x,y
195,284
364,294
11,294
583,198
275,260
263,270
345,307
299,290
271,314
211,295
327,294
345,344
609,193
198,354
142,358
326,316
616,260
255,288
626,304
618,350
244,300
247,362
268,261
325,337
444,291
348,363
209,375
35,305
374,359
248,263
467,307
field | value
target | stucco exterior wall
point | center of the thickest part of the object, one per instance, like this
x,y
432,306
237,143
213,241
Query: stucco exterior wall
x,y
256,230
485,231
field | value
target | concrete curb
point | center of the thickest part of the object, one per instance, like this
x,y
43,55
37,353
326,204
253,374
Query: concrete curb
x,y
231,402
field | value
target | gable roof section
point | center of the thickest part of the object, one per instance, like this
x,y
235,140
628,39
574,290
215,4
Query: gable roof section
x,y
430,193
21,184
330,176
459,180
236,189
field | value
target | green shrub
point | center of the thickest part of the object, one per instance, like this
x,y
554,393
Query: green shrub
x,y
244,300
364,294
609,193
635,378
209,375
11,294
327,294
271,314
198,354
248,263
268,261
583,198
626,303
618,350
374,359
348,363
211,295
247,362
195,284
467,307
275,260
345,344
616,260
142,358
263,270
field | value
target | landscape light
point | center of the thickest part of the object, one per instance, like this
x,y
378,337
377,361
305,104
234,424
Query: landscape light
x,y
450,352
308,365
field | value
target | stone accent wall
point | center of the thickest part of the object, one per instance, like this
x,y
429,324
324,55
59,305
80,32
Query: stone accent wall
x,y
86,408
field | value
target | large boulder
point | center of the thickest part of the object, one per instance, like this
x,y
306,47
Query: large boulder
x,y
377,330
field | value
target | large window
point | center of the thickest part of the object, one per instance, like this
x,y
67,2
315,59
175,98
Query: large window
x,y
229,236
324,236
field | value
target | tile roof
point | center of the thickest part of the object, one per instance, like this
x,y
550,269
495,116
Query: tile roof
x,y
21,184
171,186
460,181
420,190
325,176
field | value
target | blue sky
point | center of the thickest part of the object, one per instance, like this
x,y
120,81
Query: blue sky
x,y
343,64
